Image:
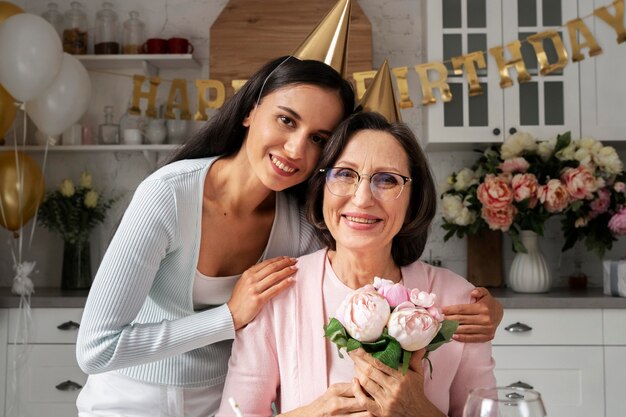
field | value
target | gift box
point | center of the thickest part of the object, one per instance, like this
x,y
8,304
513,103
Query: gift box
x,y
614,278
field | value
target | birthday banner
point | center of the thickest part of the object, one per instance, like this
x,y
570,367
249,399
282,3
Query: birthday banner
x,y
432,75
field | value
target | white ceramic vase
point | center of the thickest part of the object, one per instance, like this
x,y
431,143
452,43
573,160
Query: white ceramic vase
x,y
529,271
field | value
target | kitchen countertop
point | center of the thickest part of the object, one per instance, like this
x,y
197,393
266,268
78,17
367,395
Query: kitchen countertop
x,y
556,298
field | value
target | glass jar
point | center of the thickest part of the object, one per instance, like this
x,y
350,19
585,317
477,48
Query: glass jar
x,y
75,32
132,129
55,18
108,132
133,34
106,31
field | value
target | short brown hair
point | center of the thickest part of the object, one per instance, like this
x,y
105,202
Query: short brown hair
x,y
408,244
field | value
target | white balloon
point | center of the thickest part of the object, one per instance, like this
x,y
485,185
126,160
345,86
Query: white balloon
x,y
30,55
65,101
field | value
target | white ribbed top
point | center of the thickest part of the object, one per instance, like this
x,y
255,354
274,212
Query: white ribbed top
x,y
139,316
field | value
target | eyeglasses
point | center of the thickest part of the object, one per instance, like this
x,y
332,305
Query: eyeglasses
x,y
344,182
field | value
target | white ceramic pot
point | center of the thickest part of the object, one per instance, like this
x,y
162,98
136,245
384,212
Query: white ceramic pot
x,y
530,272
156,132
177,130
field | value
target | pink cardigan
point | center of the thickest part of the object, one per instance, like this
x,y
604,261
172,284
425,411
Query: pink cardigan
x,y
280,356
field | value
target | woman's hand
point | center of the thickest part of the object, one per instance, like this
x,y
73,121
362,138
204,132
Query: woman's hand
x,y
257,285
338,400
478,321
385,392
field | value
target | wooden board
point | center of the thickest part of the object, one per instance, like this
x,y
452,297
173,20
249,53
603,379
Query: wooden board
x,y
248,33
484,259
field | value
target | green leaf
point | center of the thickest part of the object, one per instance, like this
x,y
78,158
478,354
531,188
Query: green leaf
x,y
391,355
448,327
406,358
337,334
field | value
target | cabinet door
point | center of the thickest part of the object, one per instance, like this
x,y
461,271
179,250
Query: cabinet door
x,y
614,375
48,381
569,378
457,27
603,81
4,314
548,104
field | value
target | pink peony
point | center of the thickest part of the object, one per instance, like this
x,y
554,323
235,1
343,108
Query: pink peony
x,y
513,165
499,219
619,186
422,298
617,224
494,192
364,314
394,293
525,187
580,183
601,204
413,327
554,196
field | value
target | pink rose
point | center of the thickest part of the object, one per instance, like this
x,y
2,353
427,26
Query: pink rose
x,y
364,314
580,183
525,187
601,204
619,186
494,192
413,327
518,164
617,224
422,298
554,196
394,293
499,219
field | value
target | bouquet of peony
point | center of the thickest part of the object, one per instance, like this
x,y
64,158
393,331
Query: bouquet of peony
x,y
391,322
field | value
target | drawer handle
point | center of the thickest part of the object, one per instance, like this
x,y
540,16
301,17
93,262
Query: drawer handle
x,y
520,384
68,386
518,328
68,325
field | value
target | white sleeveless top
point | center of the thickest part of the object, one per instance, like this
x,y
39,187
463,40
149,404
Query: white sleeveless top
x,y
212,291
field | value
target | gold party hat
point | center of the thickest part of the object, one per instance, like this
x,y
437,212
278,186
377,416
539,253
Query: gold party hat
x,y
329,40
380,97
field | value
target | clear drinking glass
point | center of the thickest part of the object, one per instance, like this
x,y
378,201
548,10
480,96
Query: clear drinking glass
x,y
504,402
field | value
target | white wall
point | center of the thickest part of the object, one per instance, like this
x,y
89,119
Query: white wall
x,y
397,29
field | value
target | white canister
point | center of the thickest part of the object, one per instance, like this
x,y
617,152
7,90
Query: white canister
x,y
132,137
156,132
73,135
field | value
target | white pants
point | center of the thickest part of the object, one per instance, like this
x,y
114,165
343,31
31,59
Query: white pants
x,y
112,395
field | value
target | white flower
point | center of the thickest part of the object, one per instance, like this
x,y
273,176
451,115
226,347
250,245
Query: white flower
x,y
413,327
91,199
85,180
517,144
455,210
566,153
608,160
586,143
364,314
545,149
67,188
464,179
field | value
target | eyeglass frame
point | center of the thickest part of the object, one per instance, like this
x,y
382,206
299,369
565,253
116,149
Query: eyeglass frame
x,y
359,176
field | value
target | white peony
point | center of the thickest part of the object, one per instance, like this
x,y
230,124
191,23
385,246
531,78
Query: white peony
x,y
517,144
364,314
413,327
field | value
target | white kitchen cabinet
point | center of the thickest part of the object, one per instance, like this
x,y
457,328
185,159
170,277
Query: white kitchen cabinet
x,y
603,82
43,364
544,106
615,362
559,353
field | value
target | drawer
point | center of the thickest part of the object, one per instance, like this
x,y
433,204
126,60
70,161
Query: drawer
x,y
48,325
550,327
48,380
569,378
615,327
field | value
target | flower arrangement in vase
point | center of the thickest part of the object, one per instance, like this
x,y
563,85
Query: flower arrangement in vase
x,y
72,211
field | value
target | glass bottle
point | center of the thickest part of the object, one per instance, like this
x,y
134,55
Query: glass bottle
x,y
132,129
108,132
133,34
55,18
106,31
75,32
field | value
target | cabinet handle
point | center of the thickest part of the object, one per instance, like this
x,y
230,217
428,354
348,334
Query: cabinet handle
x,y
496,131
68,386
518,328
68,325
512,131
520,384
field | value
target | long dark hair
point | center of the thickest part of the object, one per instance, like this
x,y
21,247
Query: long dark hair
x,y
224,133
407,246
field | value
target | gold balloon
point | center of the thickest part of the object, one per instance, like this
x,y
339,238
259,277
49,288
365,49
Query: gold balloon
x,y
7,111
21,189
380,97
329,40
8,9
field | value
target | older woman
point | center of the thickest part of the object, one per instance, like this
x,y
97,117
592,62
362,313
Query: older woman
x,y
372,201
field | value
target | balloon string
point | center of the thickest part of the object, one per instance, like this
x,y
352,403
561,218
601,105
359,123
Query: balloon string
x,y
21,351
43,173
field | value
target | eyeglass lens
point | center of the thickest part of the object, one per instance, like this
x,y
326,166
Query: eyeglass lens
x,y
384,185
